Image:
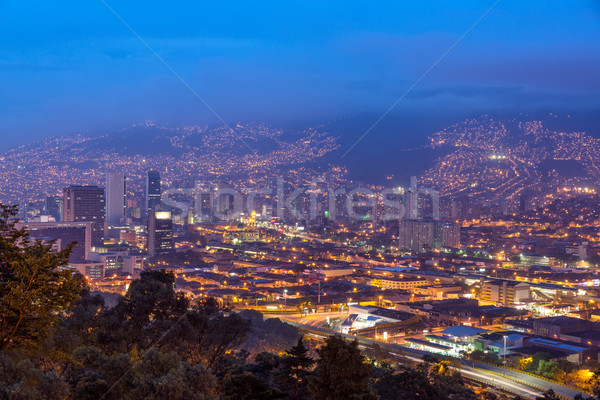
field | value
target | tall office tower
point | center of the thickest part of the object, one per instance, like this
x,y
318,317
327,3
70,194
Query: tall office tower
x,y
455,209
419,235
415,235
153,193
223,200
412,200
203,204
446,234
23,214
424,206
525,202
116,197
412,205
466,206
413,183
160,233
52,207
428,204
87,204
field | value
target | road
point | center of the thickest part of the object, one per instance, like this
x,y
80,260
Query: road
x,y
513,381
529,380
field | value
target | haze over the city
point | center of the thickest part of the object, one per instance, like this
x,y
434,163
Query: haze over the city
x,y
71,67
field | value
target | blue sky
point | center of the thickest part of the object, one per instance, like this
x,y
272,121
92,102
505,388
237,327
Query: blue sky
x,y
71,66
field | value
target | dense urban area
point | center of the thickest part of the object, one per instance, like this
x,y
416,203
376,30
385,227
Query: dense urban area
x,y
265,287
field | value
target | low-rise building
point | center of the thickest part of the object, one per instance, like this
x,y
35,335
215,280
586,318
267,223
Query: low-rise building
x,y
553,327
505,293
438,292
398,283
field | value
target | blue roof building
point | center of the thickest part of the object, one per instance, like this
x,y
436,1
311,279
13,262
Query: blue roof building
x,y
462,331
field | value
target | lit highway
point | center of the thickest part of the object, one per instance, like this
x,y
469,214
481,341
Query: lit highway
x,y
513,381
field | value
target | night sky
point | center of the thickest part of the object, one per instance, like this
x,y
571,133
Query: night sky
x,y
72,66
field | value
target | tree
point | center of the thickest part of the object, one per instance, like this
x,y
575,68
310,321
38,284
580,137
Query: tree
x,y
267,334
152,313
594,382
535,361
166,376
305,305
490,358
23,380
296,367
244,385
297,357
210,331
549,369
34,290
261,380
449,381
147,312
341,372
406,383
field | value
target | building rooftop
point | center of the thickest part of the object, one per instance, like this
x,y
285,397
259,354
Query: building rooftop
x,y
557,345
560,320
463,331
428,344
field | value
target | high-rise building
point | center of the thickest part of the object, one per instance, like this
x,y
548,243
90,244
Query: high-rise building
x,y
419,235
153,190
412,200
415,235
203,203
116,196
413,183
525,202
52,207
466,206
64,233
160,233
446,234
86,204
223,200
428,204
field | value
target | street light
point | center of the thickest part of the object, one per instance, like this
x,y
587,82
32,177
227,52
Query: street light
x,y
504,353
284,302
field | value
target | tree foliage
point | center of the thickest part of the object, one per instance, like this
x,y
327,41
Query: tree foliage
x,y
490,358
34,291
341,372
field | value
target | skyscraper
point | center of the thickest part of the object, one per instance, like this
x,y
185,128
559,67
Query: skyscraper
x,y
419,235
85,203
223,200
153,193
52,207
446,234
415,235
203,203
160,233
412,199
115,197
